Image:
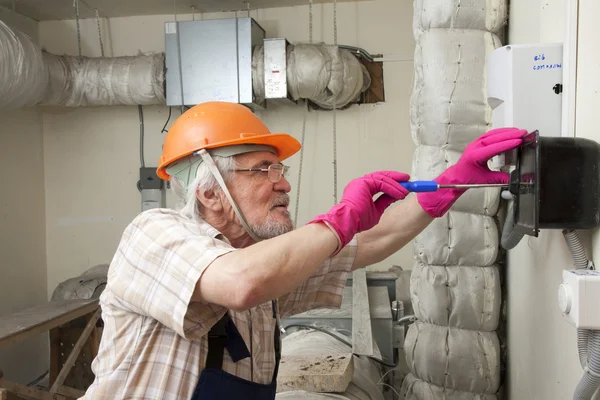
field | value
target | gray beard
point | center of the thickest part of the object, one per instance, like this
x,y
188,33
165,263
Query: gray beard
x,y
270,229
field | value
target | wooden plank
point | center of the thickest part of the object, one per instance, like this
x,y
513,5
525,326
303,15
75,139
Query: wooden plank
x,y
55,357
25,391
36,320
70,392
91,325
376,92
362,336
316,374
3,394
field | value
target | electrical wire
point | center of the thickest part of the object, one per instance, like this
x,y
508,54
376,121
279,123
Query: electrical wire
x,y
347,343
141,115
164,128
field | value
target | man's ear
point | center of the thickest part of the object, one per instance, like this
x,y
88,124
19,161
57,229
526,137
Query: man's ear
x,y
210,199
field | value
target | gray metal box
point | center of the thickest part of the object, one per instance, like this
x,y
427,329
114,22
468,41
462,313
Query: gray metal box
x,y
211,60
341,319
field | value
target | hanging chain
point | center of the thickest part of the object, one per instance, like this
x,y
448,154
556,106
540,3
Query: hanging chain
x,y
76,6
310,21
301,162
335,173
99,32
335,22
297,207
335,170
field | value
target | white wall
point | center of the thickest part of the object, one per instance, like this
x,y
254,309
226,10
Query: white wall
x,y
588,86
542,347
22,225
91,155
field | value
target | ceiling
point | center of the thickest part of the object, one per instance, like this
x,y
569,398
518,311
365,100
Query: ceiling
x,y
44,10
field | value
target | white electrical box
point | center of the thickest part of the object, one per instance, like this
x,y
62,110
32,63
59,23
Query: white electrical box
x,y
579,297
525,87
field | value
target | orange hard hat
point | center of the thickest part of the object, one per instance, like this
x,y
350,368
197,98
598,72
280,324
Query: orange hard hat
x,y
218,124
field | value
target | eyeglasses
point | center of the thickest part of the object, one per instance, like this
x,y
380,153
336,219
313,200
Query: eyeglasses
x,y
274,172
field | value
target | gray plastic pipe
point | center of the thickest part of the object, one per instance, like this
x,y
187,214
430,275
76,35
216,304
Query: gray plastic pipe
x,y
510,239
576,247
590,381
588,341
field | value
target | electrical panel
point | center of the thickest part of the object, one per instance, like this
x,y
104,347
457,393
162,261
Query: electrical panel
x,y
525,87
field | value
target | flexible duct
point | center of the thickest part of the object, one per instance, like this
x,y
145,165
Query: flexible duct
x,y
588,341
576,248
23,75
326,75
590,381
510,238
453,350
29,77
583,336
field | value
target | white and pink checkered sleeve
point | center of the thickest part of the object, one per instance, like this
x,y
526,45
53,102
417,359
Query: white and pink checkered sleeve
x,y
156,267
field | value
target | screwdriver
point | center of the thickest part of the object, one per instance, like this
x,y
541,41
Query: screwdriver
x,y
433,186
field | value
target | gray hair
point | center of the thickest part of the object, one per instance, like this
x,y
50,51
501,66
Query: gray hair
x,y
187,202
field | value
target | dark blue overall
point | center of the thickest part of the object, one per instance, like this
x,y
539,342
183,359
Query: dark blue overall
x,y
216,384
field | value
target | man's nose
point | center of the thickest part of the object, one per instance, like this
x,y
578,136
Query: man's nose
x,y
282,186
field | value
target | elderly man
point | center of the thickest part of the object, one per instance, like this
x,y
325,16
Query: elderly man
x,y
192,304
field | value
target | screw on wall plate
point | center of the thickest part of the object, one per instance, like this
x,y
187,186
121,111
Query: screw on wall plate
x,y
558,88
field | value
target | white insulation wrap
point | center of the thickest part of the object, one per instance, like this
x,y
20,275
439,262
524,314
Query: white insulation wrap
x,y
367,374
453,349
458,239
84,81
457,359
449,103
23,76
325,74
481,15
465,297
29,77
415,388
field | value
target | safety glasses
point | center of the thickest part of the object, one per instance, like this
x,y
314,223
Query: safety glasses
x,y
274,172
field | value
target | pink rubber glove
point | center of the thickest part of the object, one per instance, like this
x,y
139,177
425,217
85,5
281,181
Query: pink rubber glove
x,y
472,168
357,211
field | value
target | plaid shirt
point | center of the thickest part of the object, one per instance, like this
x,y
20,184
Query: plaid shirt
x,y
154,343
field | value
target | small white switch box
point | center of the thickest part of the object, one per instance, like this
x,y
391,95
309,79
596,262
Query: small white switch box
x,y
579,298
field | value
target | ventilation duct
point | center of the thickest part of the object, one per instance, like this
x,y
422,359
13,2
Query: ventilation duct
x,y
453,350
29,76
326,75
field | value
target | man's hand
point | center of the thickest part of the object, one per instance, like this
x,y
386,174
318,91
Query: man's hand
x,y
472,168
357,211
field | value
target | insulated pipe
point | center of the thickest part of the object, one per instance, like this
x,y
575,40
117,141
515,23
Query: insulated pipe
x,y
590,381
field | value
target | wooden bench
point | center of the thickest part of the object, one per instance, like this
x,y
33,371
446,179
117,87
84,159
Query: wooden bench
x,y
34,321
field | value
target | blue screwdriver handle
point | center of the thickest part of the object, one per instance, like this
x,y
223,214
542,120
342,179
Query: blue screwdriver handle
x,y
420,186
